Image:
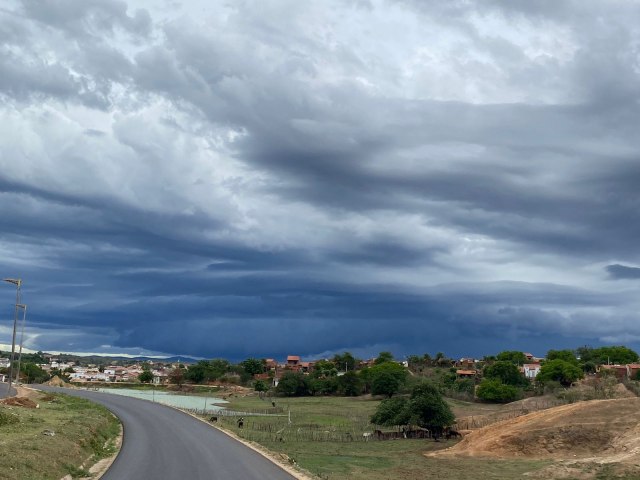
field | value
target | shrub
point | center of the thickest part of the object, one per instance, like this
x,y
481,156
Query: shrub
x,y
493,390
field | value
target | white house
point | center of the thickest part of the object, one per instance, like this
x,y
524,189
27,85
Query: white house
x,y
531,370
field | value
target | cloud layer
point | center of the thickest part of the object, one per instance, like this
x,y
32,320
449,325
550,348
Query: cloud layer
x,y
253,179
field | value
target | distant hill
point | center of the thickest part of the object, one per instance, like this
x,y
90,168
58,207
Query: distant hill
x,y
100,359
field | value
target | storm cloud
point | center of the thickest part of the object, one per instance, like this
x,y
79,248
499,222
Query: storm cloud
x,y
292,177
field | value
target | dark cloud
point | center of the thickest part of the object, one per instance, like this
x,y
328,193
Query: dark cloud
x,y
251,179
623,272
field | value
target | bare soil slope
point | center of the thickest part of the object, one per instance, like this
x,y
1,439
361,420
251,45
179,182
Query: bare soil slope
x,y
596,428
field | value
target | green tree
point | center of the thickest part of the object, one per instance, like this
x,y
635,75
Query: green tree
x,y
292,384
493,390
365,378
387,378
512,356
345,360
384,357
32,373
560,371
252,366
260,386
507,372
349,384
146,376
324,368
566,355
425,408
392,411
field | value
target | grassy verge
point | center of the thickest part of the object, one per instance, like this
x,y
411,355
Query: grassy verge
x,y
81,430
325,438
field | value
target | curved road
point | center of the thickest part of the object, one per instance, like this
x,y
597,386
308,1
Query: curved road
x,y
161,443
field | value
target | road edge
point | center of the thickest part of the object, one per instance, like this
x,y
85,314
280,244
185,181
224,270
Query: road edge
x,y
273,457
101,467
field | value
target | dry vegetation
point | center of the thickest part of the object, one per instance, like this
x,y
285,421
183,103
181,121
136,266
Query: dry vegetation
x,y
28,451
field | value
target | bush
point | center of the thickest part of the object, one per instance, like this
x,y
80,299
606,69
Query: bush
x,y
8,418
493,390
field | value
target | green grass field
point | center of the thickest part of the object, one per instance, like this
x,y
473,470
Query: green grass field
x,y
82,430
317,440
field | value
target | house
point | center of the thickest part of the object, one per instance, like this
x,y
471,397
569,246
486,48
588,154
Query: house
x,y
632,370
466,373
270,364
293,360
4,363
466,363
620,371
531,370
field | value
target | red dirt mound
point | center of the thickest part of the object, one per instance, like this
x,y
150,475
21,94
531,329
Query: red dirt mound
x,y
593,428
20,402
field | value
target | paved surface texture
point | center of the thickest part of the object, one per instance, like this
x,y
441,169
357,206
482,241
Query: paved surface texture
x,y
161,443
3,390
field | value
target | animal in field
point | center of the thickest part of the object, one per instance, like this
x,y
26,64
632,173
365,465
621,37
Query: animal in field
x,y
213,419
367,436
452,434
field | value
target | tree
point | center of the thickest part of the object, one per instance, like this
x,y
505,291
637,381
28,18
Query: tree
x,y
260,386
384,357
387,378
324,368
493,390
425,408
176,376
365,378
205,371
392,411
346,360
512,356
349,384
560,371
566,355
33,373
292,385
507,372
614,354
252,366
146,376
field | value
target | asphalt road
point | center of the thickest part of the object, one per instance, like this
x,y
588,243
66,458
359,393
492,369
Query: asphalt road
x,y
3,389
161,443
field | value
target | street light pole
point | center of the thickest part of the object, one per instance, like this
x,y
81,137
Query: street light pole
x,y
24,319
18,283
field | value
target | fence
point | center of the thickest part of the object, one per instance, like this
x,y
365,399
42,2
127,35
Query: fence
x,y
473,422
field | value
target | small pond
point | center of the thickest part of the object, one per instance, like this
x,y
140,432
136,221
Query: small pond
x,y
169,398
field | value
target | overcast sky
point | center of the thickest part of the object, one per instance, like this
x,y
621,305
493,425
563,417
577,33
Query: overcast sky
x,y
251,178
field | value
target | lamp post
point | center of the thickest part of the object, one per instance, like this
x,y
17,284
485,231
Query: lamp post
x,y
24,319
18,283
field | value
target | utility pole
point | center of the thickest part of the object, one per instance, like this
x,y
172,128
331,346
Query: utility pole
x,y
18,283
24,318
